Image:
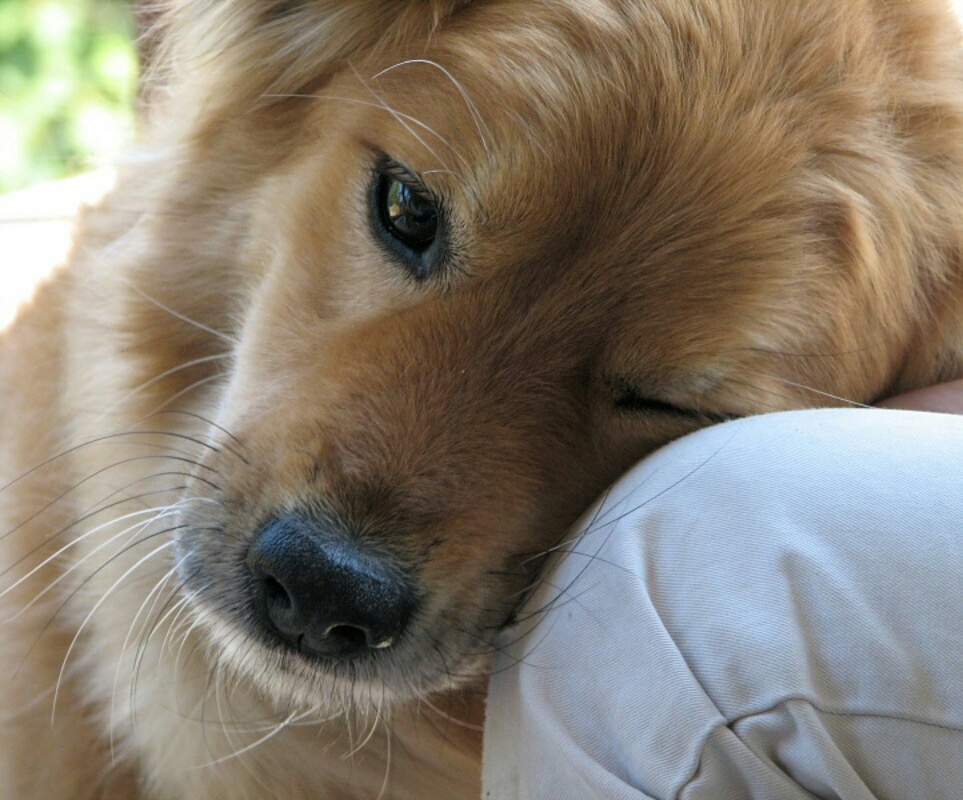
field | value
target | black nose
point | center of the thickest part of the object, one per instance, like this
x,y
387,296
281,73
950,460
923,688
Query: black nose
x,y
321,593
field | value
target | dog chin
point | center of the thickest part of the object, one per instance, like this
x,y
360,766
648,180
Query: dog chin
x,y
291,680
321,687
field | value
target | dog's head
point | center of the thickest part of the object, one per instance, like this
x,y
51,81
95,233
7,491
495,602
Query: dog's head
x,y
470,261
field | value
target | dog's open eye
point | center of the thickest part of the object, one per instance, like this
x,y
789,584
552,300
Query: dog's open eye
x,y
407,219
407,215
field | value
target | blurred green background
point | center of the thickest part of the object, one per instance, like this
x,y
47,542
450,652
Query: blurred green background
x,y
68,80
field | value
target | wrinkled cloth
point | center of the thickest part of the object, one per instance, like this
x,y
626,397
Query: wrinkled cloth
x,y
770,608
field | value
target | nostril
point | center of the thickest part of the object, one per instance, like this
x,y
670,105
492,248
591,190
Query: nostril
x,y
347,638
276,595
280,607
322,593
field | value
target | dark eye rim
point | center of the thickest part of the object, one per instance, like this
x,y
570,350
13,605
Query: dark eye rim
x,y
630,401
421,263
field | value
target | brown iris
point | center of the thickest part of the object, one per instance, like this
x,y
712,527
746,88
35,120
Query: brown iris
x,y
407,214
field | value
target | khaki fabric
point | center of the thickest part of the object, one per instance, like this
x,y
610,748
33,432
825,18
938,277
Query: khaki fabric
x,y
771,608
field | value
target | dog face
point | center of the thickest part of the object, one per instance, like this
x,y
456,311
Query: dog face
x,y
474,271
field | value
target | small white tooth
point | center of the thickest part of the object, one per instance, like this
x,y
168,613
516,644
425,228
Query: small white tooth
x,y
384,644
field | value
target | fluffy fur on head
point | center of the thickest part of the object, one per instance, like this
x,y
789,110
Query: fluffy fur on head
x,y
428,276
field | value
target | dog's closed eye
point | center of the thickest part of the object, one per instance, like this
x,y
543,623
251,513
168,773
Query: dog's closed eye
x,y
629,399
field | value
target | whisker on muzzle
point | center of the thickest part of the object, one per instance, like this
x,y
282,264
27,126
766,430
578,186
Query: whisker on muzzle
x,y
103,598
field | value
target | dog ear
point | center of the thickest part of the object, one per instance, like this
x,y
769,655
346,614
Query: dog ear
x,y
278,46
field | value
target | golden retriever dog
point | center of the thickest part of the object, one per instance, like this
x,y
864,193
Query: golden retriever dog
x,y
389,292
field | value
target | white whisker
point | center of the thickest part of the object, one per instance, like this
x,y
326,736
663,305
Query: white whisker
x,y
384,783
367,737
194,362
275,730
194,622
183,317
174,614
86,620
472,108
190,388
401,121
449,718
814,390
156,593
165,512
400,116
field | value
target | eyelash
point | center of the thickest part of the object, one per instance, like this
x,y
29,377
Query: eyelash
x,y
631,402
628,400
392,169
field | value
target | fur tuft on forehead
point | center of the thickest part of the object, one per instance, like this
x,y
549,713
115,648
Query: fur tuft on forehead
x,y
280,47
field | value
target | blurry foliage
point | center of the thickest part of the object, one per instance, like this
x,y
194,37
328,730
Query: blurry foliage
x,y
68,74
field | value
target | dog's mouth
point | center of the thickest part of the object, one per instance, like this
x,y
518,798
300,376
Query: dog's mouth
x,y
311,615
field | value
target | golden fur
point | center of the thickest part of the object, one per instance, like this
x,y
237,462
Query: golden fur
x,y
660,214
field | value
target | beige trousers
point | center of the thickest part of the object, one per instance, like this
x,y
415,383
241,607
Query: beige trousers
x,y
771,608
